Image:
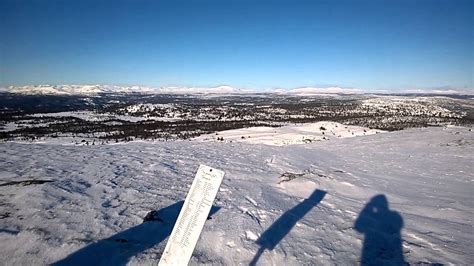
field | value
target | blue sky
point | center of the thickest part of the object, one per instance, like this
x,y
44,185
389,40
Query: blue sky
x,y
390,45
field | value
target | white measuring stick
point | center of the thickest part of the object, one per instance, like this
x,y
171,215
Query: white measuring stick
x,y
193,215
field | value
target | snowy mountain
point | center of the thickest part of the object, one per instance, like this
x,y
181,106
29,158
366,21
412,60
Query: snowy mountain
x,y
224,89
325,90
77,89
403,196
200,90
95,89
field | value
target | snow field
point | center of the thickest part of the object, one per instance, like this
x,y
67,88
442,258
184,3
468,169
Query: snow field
x,y
93,210
291,134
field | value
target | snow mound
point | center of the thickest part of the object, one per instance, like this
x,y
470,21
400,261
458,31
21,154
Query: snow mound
x,y
289,135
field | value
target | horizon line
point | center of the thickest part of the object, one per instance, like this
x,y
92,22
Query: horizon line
x,y
229,89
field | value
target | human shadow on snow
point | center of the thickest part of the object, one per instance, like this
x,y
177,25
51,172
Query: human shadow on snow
x,y
119,248
382,228
283,225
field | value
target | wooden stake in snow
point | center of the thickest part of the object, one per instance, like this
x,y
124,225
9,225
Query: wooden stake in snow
x,y
193,215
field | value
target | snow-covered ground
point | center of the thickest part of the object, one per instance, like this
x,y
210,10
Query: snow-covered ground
x,y
407,106
288,135
90,116
405,195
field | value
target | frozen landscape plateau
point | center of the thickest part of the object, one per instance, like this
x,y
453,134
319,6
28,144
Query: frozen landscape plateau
x,y
99,179
281,205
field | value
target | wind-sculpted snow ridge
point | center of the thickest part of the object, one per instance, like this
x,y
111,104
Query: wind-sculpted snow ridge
x,y
403,196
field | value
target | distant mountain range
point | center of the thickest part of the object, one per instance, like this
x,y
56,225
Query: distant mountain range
x,y
97,89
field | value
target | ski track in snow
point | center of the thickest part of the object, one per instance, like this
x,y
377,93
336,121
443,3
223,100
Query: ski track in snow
x,y
101,191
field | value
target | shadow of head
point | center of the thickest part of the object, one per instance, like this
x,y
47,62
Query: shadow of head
x,y
379,204
382,229
119,248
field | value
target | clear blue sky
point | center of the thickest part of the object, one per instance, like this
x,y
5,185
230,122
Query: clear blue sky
x,y
376,44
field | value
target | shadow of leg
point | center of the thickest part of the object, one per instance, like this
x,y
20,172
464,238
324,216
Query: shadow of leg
x,y
283,225
257,256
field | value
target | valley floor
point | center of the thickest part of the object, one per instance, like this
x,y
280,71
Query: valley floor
x,y
388,197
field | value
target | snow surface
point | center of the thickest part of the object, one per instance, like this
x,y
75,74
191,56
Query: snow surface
x,y
93,210
293,134
410,106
